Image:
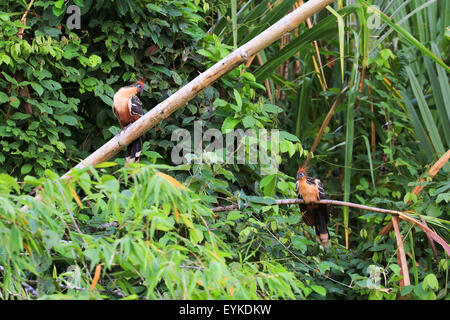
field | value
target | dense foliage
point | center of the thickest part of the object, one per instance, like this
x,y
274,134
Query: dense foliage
x,y
146,230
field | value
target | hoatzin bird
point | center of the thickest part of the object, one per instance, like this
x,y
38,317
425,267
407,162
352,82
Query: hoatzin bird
x,y
315,214
128,108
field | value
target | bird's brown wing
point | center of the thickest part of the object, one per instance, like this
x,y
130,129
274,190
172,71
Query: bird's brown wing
x,y
135,106
322,194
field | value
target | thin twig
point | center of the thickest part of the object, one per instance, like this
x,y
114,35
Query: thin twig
x,y
24,20
325,124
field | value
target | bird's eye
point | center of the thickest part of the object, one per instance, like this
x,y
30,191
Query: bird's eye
x,y
139,86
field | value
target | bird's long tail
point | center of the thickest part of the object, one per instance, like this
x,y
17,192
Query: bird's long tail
x,y
321,221
134,150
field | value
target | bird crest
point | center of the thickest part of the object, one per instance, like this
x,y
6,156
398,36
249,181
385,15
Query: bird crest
x,y
141,82
302,172
302,169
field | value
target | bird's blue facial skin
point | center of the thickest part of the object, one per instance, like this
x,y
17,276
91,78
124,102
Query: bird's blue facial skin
x,y
300,175
140,87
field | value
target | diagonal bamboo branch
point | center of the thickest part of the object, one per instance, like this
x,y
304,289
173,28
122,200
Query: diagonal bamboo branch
x,y
324,125
204,80
401,257
431,173
400,214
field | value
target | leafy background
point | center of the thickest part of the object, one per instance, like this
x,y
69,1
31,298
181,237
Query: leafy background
x,y
132,233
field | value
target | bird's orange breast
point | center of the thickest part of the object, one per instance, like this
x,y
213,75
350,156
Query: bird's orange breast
x,y
121,105
124,117
310,193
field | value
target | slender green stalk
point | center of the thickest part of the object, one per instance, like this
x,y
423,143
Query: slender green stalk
x,y
369,157
350,132
413,255
234,22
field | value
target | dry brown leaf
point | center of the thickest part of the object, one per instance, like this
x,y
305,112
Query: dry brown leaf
x,y
98,271
75,196
171,180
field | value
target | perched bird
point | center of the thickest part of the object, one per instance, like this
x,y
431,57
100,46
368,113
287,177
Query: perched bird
x,y
128,108
315,214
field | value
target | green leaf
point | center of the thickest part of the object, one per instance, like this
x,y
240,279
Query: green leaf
x,y
15,239
404,34
238,98
59,4
322,30
176,78
127,58
20,116
195,235
430,281
51,85
443,197
234,215
271,108
320,290
9,182
248,121
3,97
66,119
14,101
268,184
220,103
37,87
94,60
229,123
26,168
122,7
110,184
300,243
288,136
106,164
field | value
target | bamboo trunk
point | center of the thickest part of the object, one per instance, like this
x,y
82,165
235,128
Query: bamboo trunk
x,y
204,80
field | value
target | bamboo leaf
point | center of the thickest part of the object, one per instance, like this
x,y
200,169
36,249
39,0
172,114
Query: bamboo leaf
x,y
322,30
171,180
425,112
304,101
418,127
442,106
341,38
269,19
405,34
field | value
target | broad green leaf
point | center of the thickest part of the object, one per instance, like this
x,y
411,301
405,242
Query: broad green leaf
x,y
127,58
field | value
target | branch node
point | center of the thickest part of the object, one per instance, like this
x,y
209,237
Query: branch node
x,y
244,55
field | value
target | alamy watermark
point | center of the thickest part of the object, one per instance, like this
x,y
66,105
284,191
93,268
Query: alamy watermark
x,y
74,20
249,147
